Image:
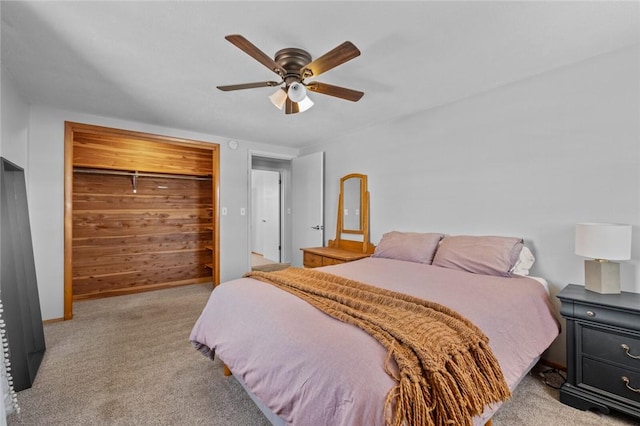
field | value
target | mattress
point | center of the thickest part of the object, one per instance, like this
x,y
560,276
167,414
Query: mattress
x,y
306,368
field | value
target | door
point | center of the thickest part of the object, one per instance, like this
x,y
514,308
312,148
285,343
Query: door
x,y
269,219
308,204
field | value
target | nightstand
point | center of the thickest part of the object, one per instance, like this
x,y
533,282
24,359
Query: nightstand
x,y
603,350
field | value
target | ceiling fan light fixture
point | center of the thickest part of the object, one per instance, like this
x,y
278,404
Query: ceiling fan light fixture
x,y
305,104
293,66
297,92
278,98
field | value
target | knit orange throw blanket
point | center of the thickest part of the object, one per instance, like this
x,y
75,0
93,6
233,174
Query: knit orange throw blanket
x,y
447,372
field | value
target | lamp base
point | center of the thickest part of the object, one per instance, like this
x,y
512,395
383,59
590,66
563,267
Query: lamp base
x,y
602,277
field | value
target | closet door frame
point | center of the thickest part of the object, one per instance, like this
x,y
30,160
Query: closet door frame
x,y
132,136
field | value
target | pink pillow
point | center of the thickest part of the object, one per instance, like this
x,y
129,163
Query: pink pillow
x,y
479,254
408,246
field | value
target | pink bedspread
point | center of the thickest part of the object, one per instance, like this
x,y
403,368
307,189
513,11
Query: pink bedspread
x,y
311,369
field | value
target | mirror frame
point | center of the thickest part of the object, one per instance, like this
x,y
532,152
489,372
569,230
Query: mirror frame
x,y
363,246
362,188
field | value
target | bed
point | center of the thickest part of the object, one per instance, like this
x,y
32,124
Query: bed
x,y
303,367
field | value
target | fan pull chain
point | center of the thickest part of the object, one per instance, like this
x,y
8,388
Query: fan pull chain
x,y
7,365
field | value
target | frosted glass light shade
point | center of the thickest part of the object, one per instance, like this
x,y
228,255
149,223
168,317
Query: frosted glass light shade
x,y
297,92
607,241
305,104
278,98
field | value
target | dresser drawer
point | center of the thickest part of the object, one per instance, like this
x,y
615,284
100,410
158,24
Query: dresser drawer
x,y
326,261
606,315
311,260
608,378
608,345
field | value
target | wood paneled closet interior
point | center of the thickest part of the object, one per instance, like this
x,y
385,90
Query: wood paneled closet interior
x,y
141,212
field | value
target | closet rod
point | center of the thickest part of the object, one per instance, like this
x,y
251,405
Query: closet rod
x,y
138,174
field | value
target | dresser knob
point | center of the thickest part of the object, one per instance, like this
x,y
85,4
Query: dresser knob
x,y
625,379
591,314
626,348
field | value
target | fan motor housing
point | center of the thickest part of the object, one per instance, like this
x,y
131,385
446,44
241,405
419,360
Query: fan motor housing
x,y
292,60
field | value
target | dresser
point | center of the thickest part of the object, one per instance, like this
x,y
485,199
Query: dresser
x,y
314,257
603,350
354,198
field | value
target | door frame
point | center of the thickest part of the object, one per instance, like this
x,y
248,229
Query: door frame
x,y
69,130
285,219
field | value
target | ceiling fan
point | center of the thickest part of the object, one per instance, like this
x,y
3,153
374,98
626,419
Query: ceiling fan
x,y
294,66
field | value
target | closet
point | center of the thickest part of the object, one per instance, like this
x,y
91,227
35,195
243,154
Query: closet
x,y
140,212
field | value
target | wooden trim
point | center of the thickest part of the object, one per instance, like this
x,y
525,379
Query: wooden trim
x,y
53,320
134,135
215,200
71,129
68,221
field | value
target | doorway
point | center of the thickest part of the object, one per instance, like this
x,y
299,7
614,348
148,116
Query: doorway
x,y
270,228
265,215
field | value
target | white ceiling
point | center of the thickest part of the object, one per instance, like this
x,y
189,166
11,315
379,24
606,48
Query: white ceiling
x,y
160,62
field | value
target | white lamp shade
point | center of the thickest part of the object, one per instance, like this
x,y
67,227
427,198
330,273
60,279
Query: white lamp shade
x,y
297,92
278,98
607,241
305,104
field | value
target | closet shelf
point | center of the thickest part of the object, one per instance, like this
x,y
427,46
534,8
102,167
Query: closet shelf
x,y
139,174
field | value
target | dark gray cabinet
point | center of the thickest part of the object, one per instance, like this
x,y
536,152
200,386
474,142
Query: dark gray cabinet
x,y
18,285
603,350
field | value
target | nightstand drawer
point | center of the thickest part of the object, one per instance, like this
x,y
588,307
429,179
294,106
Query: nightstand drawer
x,y
312,260
606,315
609,378
612,347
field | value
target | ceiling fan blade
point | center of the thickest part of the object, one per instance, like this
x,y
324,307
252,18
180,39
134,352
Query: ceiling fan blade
x,y
339,55
337,91
257,54
249,85
291,107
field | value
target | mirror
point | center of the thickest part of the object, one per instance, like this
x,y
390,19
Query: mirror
x,y
352,228
352,196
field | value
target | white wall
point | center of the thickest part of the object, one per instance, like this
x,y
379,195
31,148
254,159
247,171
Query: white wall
x,y
46,196
530,159
15,123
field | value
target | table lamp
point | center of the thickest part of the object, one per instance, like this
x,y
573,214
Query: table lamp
x,y
602,243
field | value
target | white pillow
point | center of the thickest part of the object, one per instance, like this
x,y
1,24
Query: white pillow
x,y
524,263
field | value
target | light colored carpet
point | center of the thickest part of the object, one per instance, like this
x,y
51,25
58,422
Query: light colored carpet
x,y
260,263
270,267
127,360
